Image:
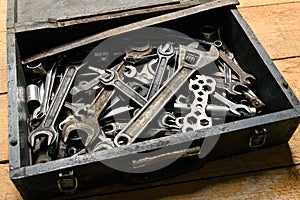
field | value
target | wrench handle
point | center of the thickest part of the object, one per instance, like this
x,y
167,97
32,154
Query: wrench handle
x,y
140,121
157,80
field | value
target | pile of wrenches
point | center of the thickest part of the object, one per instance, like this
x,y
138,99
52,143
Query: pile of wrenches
x,y
149,92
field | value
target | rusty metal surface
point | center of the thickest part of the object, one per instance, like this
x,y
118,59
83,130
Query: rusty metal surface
x,y
130,27
42,11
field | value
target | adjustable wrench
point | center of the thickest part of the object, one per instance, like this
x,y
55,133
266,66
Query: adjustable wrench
x,y
47,125
164,55
190,60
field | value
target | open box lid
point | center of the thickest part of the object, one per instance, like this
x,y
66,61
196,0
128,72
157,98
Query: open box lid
x,y
25,15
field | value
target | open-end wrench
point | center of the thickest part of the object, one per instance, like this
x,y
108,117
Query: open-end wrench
x,y
86,85
254,100
190,60
47,125
232,87
243,76
164,55
88,124
113,79
233,107
133,73
40,112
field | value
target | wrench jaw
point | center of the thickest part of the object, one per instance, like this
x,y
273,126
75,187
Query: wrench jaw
x,y
234,88
84,131
195,59
52,135
90,131
247,79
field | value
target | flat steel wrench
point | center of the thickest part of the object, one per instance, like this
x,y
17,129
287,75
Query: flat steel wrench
x,y
164,55
114,80
243,76
190,60
233,107
47,125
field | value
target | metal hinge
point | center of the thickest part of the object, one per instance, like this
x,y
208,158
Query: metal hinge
x,y
67,183
258,138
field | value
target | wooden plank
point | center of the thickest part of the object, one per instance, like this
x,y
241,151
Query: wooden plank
x,y
256,3
40,11
272,184
3,4
8,190
3,63
3,128
277,27
290,70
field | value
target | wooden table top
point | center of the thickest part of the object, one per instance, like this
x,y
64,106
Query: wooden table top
x,y
272,173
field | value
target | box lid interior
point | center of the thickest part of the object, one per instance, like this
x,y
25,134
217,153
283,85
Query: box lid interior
x,y
35,14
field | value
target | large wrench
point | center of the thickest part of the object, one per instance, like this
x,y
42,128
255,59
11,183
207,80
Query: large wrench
x,y
47,125
164,55
190,60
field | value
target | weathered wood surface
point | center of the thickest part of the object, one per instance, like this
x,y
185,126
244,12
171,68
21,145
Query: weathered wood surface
x,y
273,184
256,3
278,28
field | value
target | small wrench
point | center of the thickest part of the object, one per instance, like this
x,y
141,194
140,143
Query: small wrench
x,y
114,80
234,108
47,125
40,112
164,55
232,87
243,76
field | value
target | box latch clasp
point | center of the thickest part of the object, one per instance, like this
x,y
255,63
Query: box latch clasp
x,y
67,183
258,138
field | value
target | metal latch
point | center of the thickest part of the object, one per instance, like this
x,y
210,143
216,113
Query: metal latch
x,y
67,183
258,139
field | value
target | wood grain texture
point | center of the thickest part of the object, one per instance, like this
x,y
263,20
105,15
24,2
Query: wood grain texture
x,y
273,184
277,28
255,3
3,5
290,70
7,189
3,128
3,63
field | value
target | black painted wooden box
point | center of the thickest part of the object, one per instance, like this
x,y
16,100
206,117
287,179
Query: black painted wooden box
x,y
40,26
